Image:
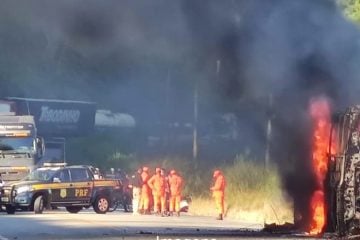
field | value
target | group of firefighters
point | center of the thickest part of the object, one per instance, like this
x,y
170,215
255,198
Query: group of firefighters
x,y
163,192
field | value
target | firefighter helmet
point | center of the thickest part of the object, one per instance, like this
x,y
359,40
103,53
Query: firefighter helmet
x,y
216,173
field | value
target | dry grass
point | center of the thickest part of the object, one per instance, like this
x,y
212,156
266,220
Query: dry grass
x,y
253,195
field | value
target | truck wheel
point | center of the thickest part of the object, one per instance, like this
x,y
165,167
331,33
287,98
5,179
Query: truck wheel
x,y
39,205
73,209
10,209
101,204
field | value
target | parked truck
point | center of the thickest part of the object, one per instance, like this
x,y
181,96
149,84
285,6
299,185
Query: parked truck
x,y
20,146
24,120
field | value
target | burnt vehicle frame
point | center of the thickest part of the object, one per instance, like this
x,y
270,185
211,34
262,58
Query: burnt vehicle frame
x,y
343,178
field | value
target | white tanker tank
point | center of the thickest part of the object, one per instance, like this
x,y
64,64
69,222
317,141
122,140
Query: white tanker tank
x,y
106,119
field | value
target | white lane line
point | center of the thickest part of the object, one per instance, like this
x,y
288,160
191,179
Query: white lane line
x,y
3,238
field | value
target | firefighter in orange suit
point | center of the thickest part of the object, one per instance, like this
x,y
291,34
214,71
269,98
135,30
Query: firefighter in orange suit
x,y
157,183
145,192
176,184
218,192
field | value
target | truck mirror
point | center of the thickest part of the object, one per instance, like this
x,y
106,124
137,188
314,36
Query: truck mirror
x,y
40,145
56,180
43,146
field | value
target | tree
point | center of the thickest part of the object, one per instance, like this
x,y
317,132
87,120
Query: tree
x,y
351,9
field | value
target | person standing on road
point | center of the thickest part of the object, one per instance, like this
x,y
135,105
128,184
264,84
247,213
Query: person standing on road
x,y
218,192
136,183
158,184
176,184
145,192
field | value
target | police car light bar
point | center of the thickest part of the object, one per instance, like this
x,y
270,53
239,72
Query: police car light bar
x,y
54,164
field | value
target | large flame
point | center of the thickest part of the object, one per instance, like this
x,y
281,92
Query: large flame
x,y
320,114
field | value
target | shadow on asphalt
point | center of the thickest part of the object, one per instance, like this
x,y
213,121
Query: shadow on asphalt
x,y
47,226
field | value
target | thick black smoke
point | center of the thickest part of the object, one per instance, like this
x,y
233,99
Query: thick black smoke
x,y
143,57
291,50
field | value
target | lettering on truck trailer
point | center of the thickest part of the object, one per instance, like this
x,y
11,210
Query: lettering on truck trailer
x,y
59,115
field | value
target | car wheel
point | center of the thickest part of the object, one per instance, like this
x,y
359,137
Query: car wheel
x,y
101,204
39,205
10,209
73,209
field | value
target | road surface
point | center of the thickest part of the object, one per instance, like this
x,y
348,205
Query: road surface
x,y
119,225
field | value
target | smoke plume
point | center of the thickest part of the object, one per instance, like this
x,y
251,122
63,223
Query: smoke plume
x,y
289,50
131,55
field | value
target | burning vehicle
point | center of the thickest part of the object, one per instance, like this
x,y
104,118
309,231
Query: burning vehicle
x,y
343,178
335,200
335,205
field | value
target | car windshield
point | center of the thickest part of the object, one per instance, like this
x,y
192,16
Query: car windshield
x,y
41,175
16,143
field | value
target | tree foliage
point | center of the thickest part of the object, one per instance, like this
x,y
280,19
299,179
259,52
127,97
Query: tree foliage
x,y
351,9
103,150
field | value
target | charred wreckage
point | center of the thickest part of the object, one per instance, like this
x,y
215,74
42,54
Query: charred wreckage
x,y
343,177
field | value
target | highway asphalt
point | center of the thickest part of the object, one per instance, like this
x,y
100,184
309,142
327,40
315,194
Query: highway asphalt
x,y
86,224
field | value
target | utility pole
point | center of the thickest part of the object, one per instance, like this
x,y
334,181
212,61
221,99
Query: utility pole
x,y
167,108
269,132
218,68
268,206
195,130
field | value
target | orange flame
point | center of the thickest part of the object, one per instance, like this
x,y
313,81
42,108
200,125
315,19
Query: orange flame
x,y
320,114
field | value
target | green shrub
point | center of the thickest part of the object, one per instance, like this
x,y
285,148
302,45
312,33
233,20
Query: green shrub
x,y
253,193
100,150
249,186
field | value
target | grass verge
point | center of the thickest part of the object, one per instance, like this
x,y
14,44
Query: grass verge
x,y
252,195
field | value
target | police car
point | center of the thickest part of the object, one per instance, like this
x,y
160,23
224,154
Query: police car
x,y
72,187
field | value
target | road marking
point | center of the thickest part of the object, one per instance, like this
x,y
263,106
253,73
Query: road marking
x,y
3,238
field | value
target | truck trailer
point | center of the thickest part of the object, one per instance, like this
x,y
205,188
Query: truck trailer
x,y
53,120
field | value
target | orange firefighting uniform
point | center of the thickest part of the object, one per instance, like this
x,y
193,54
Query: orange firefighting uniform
x,y
145,191
218,191
158,184
175,183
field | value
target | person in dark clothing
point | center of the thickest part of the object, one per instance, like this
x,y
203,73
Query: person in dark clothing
x,y
136,184
125,181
